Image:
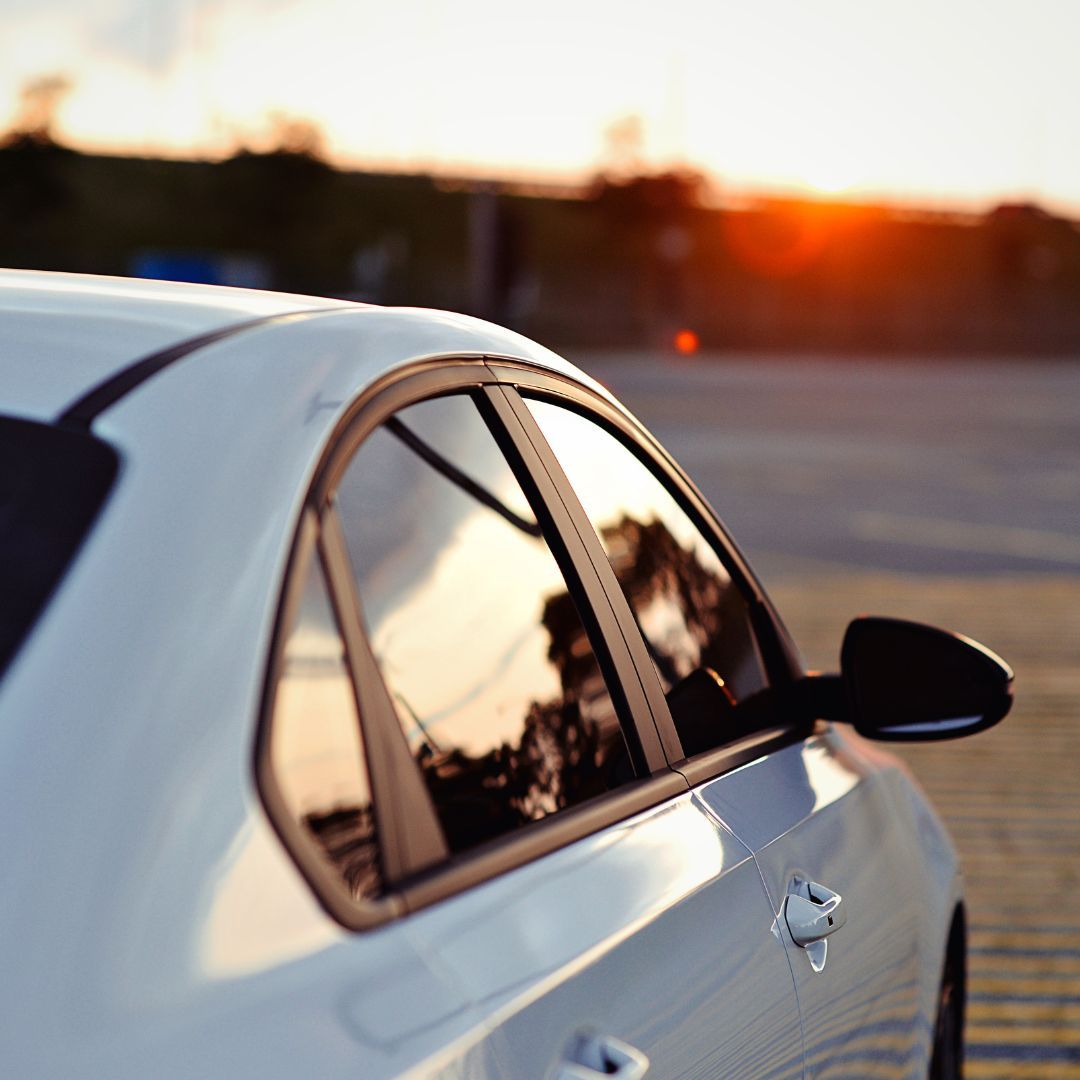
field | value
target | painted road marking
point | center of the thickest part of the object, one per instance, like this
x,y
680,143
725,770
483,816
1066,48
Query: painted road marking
x,y
967,536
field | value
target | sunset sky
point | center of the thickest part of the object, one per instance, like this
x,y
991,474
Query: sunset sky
x,y
938,102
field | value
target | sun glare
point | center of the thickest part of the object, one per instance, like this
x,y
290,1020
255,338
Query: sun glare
x,y
686,342
830,179
832,172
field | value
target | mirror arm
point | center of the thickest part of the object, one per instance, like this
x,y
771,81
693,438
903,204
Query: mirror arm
x,y
822,696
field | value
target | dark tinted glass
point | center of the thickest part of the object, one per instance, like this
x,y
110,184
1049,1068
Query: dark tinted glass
x,y
316,746
494,680
53,482
692,617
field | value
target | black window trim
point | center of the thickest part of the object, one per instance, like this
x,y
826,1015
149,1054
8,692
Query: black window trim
x,y
779,656
651,695
783,659
414,879
407,824
494,382
407,387
323,881
580,570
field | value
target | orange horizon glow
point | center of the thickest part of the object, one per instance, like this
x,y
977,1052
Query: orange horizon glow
x,y
906,103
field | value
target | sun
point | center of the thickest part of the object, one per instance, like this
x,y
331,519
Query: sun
x,y
830,179
830,169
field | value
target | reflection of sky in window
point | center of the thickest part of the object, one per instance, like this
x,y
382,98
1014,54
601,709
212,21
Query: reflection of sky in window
x,y
451,426
610,482
465,648
662,621
613,484
315,738
452,593
404,510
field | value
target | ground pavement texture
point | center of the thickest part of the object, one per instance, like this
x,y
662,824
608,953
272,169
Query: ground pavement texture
x,y
1010,796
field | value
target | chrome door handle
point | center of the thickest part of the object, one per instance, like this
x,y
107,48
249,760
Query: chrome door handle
x,y
812,913
594,1056
814,917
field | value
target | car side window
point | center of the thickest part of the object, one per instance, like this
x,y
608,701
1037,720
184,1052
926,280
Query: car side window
x,y
493,678
316,745
693,618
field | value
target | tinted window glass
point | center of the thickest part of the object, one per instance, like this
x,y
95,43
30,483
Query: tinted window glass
x,y
316,746
692,617
53,482
494,680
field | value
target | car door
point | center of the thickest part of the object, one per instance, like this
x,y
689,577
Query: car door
x,y
812,808
830,835
547,860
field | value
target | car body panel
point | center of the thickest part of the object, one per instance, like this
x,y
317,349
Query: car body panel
x,y
65,333
255,968
158,926
656,931
823,811
158,785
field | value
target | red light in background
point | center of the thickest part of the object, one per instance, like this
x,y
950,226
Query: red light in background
x,y
686,342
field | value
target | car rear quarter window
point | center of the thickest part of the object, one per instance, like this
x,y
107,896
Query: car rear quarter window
x,y
317,748
53,482
492,675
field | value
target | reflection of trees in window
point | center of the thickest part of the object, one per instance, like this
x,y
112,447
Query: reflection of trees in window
x,y
347,836
571,749
704,650
653,568
558,763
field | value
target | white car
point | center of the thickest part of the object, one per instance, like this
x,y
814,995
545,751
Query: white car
x,y
378,698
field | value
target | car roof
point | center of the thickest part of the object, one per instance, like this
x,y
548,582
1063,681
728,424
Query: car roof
x,y
82,341
65,334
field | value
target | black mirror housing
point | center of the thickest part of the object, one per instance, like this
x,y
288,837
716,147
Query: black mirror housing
x,y
906,682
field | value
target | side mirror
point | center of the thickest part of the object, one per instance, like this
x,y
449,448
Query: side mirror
x,y
903,681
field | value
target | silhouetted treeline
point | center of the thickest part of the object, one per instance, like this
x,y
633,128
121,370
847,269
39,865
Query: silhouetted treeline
x,y
625,263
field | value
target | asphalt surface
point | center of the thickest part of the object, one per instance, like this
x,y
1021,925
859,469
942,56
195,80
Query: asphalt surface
x,y
941,467
949,493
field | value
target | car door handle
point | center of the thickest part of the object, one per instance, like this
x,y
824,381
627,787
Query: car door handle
x,y
594,1056
813,913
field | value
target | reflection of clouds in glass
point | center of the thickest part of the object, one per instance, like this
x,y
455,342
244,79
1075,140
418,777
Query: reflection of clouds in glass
x,y
578,441
449,426
315,739
433,565
588,455
316,749
404,536
662,622
439,649
322,759
485,657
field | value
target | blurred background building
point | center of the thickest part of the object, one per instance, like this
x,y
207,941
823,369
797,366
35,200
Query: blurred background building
x,y
779,176
621,261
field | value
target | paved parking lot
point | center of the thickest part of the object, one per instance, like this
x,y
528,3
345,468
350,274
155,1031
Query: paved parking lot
x,y
947,493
